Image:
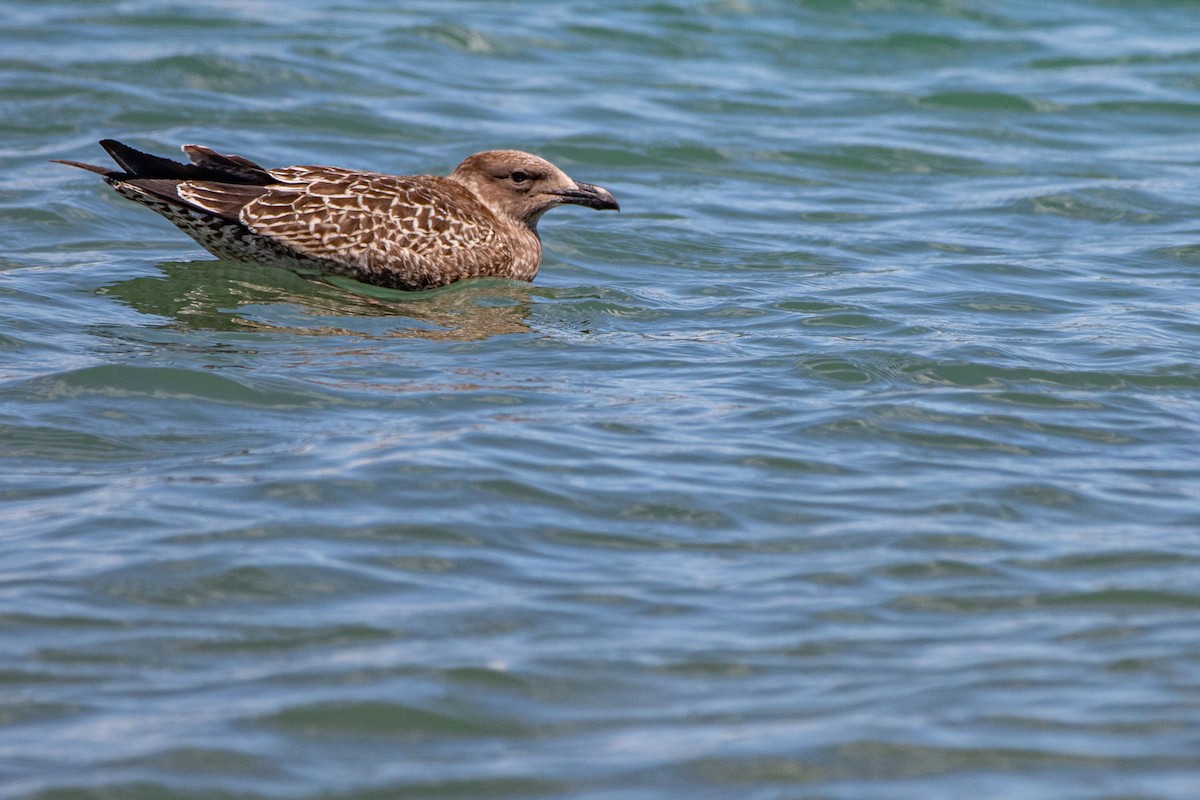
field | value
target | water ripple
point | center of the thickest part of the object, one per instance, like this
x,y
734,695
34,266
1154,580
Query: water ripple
x,y
856,457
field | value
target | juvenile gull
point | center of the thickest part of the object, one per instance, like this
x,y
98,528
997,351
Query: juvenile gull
x,y
404,232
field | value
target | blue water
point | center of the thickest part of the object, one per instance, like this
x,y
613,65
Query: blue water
x,y
857,458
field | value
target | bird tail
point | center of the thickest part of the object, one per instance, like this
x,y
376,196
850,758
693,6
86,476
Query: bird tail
x,y
105,171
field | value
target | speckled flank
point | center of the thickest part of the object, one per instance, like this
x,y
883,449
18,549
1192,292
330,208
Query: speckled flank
x,y
405,232
222,237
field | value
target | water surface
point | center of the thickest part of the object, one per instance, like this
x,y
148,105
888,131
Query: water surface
x,y
857,458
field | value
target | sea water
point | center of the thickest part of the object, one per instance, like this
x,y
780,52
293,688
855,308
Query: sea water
x,y
858,457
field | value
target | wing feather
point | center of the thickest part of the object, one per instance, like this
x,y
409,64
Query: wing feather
x,y
223,199
418,225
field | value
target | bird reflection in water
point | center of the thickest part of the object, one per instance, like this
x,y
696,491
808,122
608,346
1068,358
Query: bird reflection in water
x,y
222,295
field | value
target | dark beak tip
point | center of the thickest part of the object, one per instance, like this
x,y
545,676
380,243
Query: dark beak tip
x,y
608,203
592,196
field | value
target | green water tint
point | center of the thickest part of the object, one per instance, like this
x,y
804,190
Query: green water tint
x,y
855,459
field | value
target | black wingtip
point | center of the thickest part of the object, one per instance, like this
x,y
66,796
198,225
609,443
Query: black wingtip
x,y
142,165
209,166
114,149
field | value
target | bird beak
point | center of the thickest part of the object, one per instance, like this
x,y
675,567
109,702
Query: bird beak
x,y
590,195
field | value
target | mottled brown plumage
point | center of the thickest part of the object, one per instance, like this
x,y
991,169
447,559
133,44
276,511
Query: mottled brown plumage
x,y
404,232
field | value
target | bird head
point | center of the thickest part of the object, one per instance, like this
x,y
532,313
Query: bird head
x,y
521,187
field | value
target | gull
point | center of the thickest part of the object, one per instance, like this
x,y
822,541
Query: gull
x,y
409,232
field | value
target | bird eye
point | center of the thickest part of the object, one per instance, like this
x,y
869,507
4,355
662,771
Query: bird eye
x,y
518,177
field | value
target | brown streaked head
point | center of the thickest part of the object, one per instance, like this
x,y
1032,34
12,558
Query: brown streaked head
x,y
521,186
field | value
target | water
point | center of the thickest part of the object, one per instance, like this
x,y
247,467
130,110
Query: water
x,y
857,458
